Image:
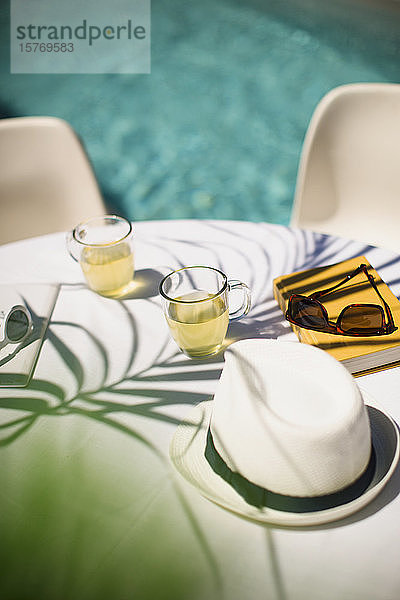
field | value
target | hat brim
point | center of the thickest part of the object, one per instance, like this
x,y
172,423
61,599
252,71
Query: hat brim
x,y
191,443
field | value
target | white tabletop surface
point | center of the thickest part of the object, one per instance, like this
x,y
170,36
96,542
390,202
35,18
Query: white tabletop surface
x,y
90,503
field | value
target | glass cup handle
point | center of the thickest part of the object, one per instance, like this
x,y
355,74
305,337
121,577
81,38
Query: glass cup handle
x,y
69,240
234,284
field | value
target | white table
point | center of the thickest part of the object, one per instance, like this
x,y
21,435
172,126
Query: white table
x,y
91,506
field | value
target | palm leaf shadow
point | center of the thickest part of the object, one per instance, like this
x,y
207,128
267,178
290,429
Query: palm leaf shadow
x,y
75,365
25,422
100,410
71,361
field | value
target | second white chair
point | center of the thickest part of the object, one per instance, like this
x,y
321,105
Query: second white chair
x,y
348,182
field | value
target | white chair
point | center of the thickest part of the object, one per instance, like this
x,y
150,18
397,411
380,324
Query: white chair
x,y
348,182
46,181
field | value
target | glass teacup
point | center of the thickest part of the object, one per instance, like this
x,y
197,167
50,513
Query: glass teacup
x,y
103,246
196,307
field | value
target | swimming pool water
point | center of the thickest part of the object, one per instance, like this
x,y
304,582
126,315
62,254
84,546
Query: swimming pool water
x,y
215,131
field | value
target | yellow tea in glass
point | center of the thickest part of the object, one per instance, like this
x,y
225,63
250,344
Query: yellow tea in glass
x,y
104,248
196,308
198,323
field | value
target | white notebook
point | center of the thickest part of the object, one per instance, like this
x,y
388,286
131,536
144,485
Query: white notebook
x,y
17,361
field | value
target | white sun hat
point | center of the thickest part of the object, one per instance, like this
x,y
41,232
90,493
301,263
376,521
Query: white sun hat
x,y
288,438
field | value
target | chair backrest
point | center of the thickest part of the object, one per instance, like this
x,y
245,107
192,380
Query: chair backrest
x,y
46,181
348,182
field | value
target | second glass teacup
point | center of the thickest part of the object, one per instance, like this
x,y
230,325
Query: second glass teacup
x,y
104,248
195,302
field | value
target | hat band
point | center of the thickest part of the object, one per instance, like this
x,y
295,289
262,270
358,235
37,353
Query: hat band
x,y
260,497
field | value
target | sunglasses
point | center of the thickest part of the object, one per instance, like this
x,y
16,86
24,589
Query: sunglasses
x,y
354,319
15,325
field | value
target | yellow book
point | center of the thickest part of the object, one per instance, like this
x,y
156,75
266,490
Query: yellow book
x,y
360,355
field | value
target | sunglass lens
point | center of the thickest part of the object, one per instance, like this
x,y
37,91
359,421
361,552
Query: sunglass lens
x,y
362,319
308,313
17,326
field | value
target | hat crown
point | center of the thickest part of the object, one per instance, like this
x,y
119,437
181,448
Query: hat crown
x,y
290,418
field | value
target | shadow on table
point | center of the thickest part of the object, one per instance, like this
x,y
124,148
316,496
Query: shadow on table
x,y
263,322
152,390
144,393
45,398
145,284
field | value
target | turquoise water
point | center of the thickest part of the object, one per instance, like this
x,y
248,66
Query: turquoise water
x,y
216,130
